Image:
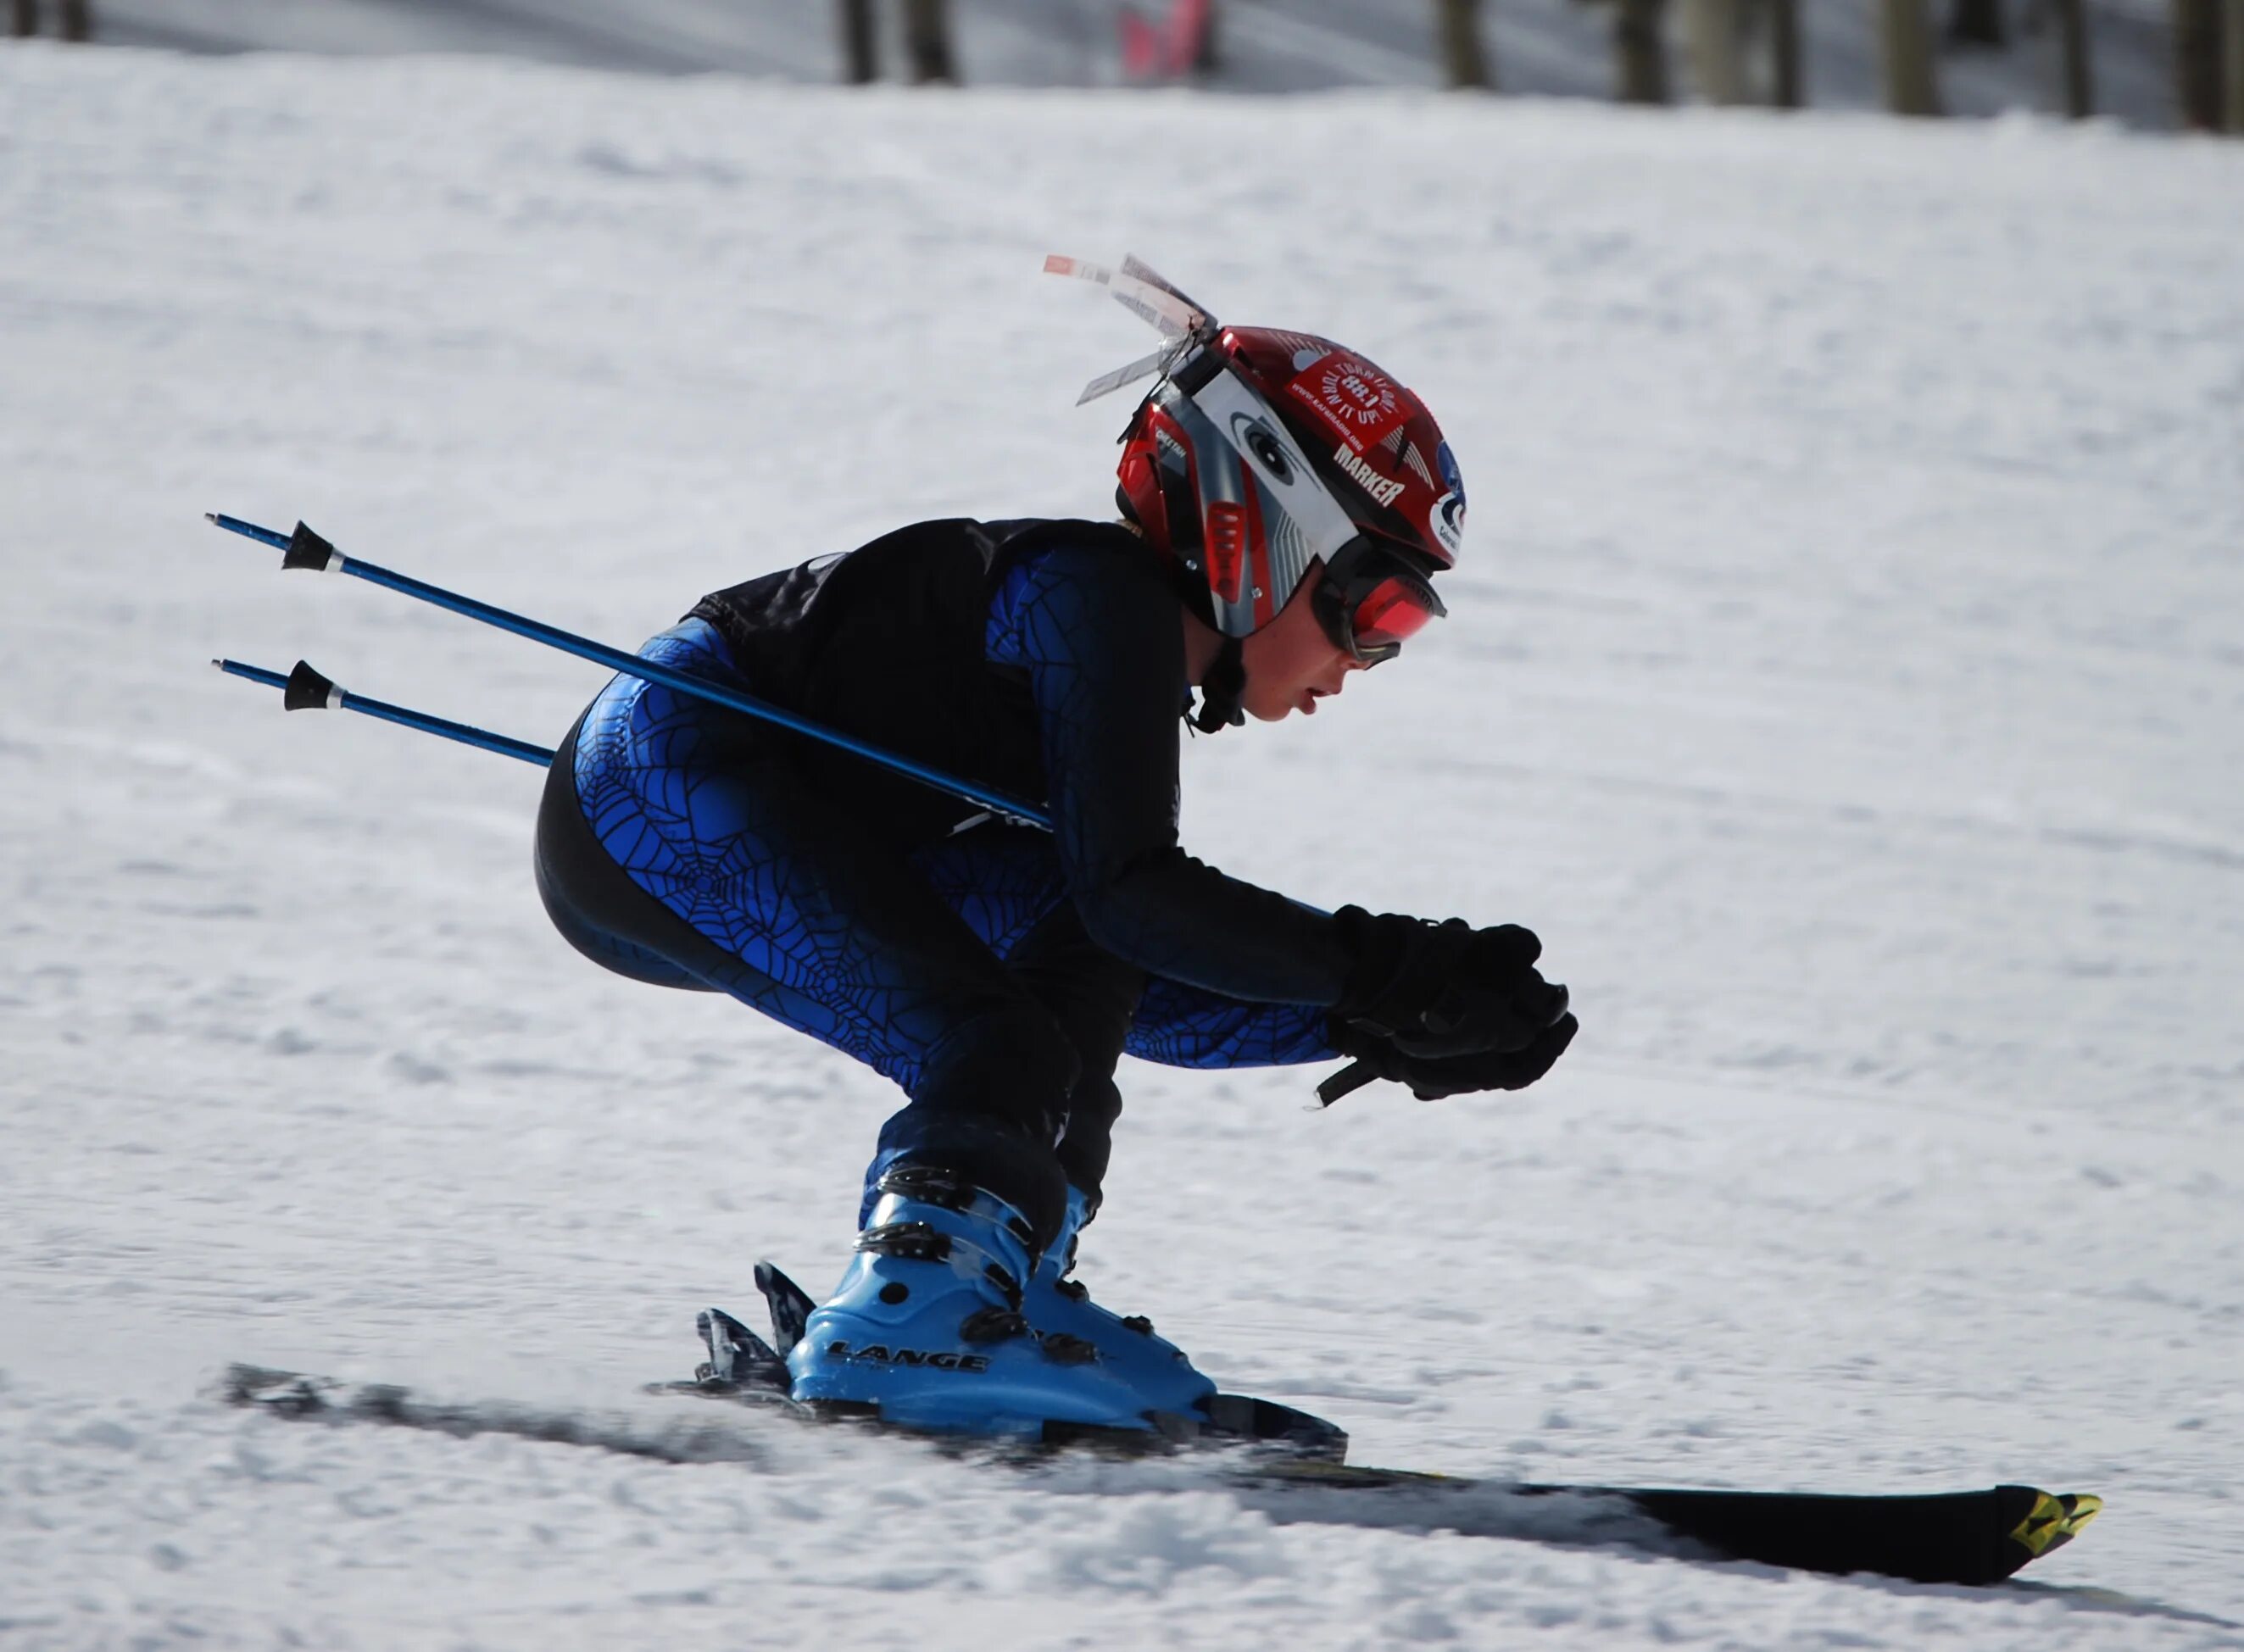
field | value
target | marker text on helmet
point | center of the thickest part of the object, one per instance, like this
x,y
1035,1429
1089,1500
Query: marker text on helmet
x,y
1382,492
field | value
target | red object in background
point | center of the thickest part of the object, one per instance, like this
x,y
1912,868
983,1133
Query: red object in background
x,y
1166,49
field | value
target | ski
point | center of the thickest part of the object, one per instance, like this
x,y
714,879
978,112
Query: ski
x,y
1974,1537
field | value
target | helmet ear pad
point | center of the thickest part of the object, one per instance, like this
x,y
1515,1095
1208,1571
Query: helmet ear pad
x,y
1157,482
1159,493
1139,491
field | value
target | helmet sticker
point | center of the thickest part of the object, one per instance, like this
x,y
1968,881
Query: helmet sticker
x,y
1259,442
1246,422
1447,518
1447,522
1354,397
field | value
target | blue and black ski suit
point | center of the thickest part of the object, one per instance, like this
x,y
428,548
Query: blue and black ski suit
x,y
994,972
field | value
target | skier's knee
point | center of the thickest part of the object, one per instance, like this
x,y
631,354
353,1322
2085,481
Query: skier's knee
x,y
1014,1067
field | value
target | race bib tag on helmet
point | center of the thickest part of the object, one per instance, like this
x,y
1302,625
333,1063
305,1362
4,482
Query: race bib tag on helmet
x,y
1354,397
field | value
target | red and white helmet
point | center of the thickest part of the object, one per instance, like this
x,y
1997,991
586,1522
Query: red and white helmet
x,y
1263,451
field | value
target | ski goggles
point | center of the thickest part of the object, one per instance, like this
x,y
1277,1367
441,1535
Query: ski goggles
x,y
1373,599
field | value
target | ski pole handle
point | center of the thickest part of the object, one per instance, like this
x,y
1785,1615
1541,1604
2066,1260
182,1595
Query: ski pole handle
x,y
1346,1081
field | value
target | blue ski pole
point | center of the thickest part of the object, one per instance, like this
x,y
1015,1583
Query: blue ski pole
x,y
305,549
306,690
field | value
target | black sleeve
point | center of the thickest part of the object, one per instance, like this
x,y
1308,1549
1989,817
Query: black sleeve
x,y
1101,637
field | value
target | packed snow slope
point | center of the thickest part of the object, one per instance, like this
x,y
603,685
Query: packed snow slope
x,y
1844,678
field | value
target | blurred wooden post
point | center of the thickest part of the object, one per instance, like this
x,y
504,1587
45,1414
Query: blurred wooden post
x,y
1905,48
860,44
1209,56
23,17
2197,64
2072,49
1714,36
1640,51
1977,23
77,20
2232,48
927,41
1459,23
1786,89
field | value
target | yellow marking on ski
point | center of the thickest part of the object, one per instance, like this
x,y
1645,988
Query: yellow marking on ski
x,y
2055,1521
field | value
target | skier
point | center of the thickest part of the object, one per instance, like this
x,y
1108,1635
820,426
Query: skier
x,y
1285,505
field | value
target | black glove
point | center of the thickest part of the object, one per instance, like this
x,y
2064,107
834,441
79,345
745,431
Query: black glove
x,y
1435,990
1432,1078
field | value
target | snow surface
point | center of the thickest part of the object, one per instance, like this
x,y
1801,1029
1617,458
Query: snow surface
x,y
1845,679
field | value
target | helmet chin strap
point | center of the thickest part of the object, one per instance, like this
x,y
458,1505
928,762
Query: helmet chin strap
x,y
1221,689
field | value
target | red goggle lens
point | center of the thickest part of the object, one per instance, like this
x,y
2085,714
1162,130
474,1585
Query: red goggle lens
x,y
1391,613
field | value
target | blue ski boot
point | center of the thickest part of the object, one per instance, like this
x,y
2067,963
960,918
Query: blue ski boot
x,y
1157,1370
926,1329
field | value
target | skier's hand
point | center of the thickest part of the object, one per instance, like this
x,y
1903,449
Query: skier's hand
x,y
1432,1078
1437,990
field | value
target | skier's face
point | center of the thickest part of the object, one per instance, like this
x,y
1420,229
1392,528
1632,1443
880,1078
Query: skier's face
x,y
1291,663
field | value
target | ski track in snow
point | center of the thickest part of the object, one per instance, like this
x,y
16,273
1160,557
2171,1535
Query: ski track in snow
x,y
1844,679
